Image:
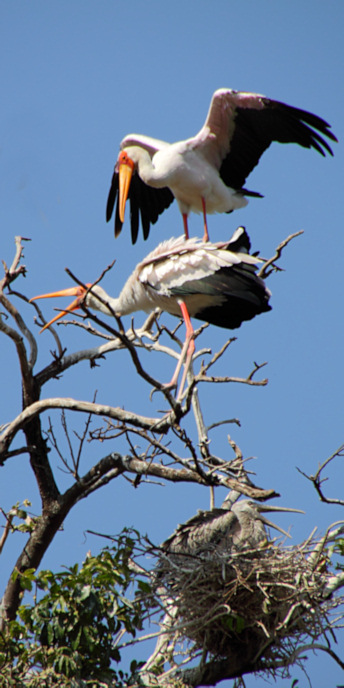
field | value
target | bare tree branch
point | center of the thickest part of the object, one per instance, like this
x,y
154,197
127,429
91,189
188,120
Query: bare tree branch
x,y
158,449
318,480
38,407
11,274
264,271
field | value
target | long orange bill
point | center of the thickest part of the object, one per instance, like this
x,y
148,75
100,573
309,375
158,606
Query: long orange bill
x,y
125,173
79,292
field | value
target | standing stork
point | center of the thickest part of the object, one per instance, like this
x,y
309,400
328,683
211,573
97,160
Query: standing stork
x,y
215,283
207,172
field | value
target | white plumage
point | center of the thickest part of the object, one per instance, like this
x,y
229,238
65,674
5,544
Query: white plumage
x,y
215,283
205,276
207,173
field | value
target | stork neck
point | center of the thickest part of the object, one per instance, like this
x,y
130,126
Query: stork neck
x,y
145,166
103,302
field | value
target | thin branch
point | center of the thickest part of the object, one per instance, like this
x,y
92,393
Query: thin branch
x,y
159,424
83,438
20,348
65,429
54,443
264,272
8,527
244,381
42,321
16,269
120,334
218,354
317,480
224,422
11,274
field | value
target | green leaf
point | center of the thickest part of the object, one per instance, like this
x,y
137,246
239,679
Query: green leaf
x,y
144,586
25,583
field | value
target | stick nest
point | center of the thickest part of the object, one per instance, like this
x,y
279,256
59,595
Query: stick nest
x,y
254,604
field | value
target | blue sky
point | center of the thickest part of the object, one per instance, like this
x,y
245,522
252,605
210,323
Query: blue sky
x,y
78,76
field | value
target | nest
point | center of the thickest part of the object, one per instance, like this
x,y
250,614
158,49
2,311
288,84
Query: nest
x,y
253,606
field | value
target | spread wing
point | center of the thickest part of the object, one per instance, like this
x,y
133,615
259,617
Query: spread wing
x,y
240,126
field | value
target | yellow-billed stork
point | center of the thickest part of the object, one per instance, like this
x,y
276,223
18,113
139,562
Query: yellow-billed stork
x,y
207,172
216,283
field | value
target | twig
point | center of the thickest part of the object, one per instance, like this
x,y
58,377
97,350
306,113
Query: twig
x,y
245,381
38,407
8,526
317,480
264,272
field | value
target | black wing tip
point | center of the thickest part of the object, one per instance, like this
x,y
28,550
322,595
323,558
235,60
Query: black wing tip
x,y
240,241
112,195
145,228
251,194
109,211
110,205
314,124
146,202
318,143
118,221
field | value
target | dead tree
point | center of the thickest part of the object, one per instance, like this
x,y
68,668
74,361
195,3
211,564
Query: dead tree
x,y
233,596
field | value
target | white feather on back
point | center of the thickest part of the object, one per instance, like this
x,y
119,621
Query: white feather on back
x,y
178,261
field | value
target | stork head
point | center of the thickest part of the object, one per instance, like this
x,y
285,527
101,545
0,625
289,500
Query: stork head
x,y
125,167
251,520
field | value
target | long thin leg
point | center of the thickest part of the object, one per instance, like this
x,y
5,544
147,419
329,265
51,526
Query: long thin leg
x,y
187,350
206,233
174,380
185,223
189,345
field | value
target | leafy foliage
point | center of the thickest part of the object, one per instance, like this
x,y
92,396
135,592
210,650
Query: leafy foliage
x,y
70,631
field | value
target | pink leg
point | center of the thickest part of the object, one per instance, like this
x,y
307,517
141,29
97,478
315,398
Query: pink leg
x,y
206,234
187,350
188,324
185,223
189,344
